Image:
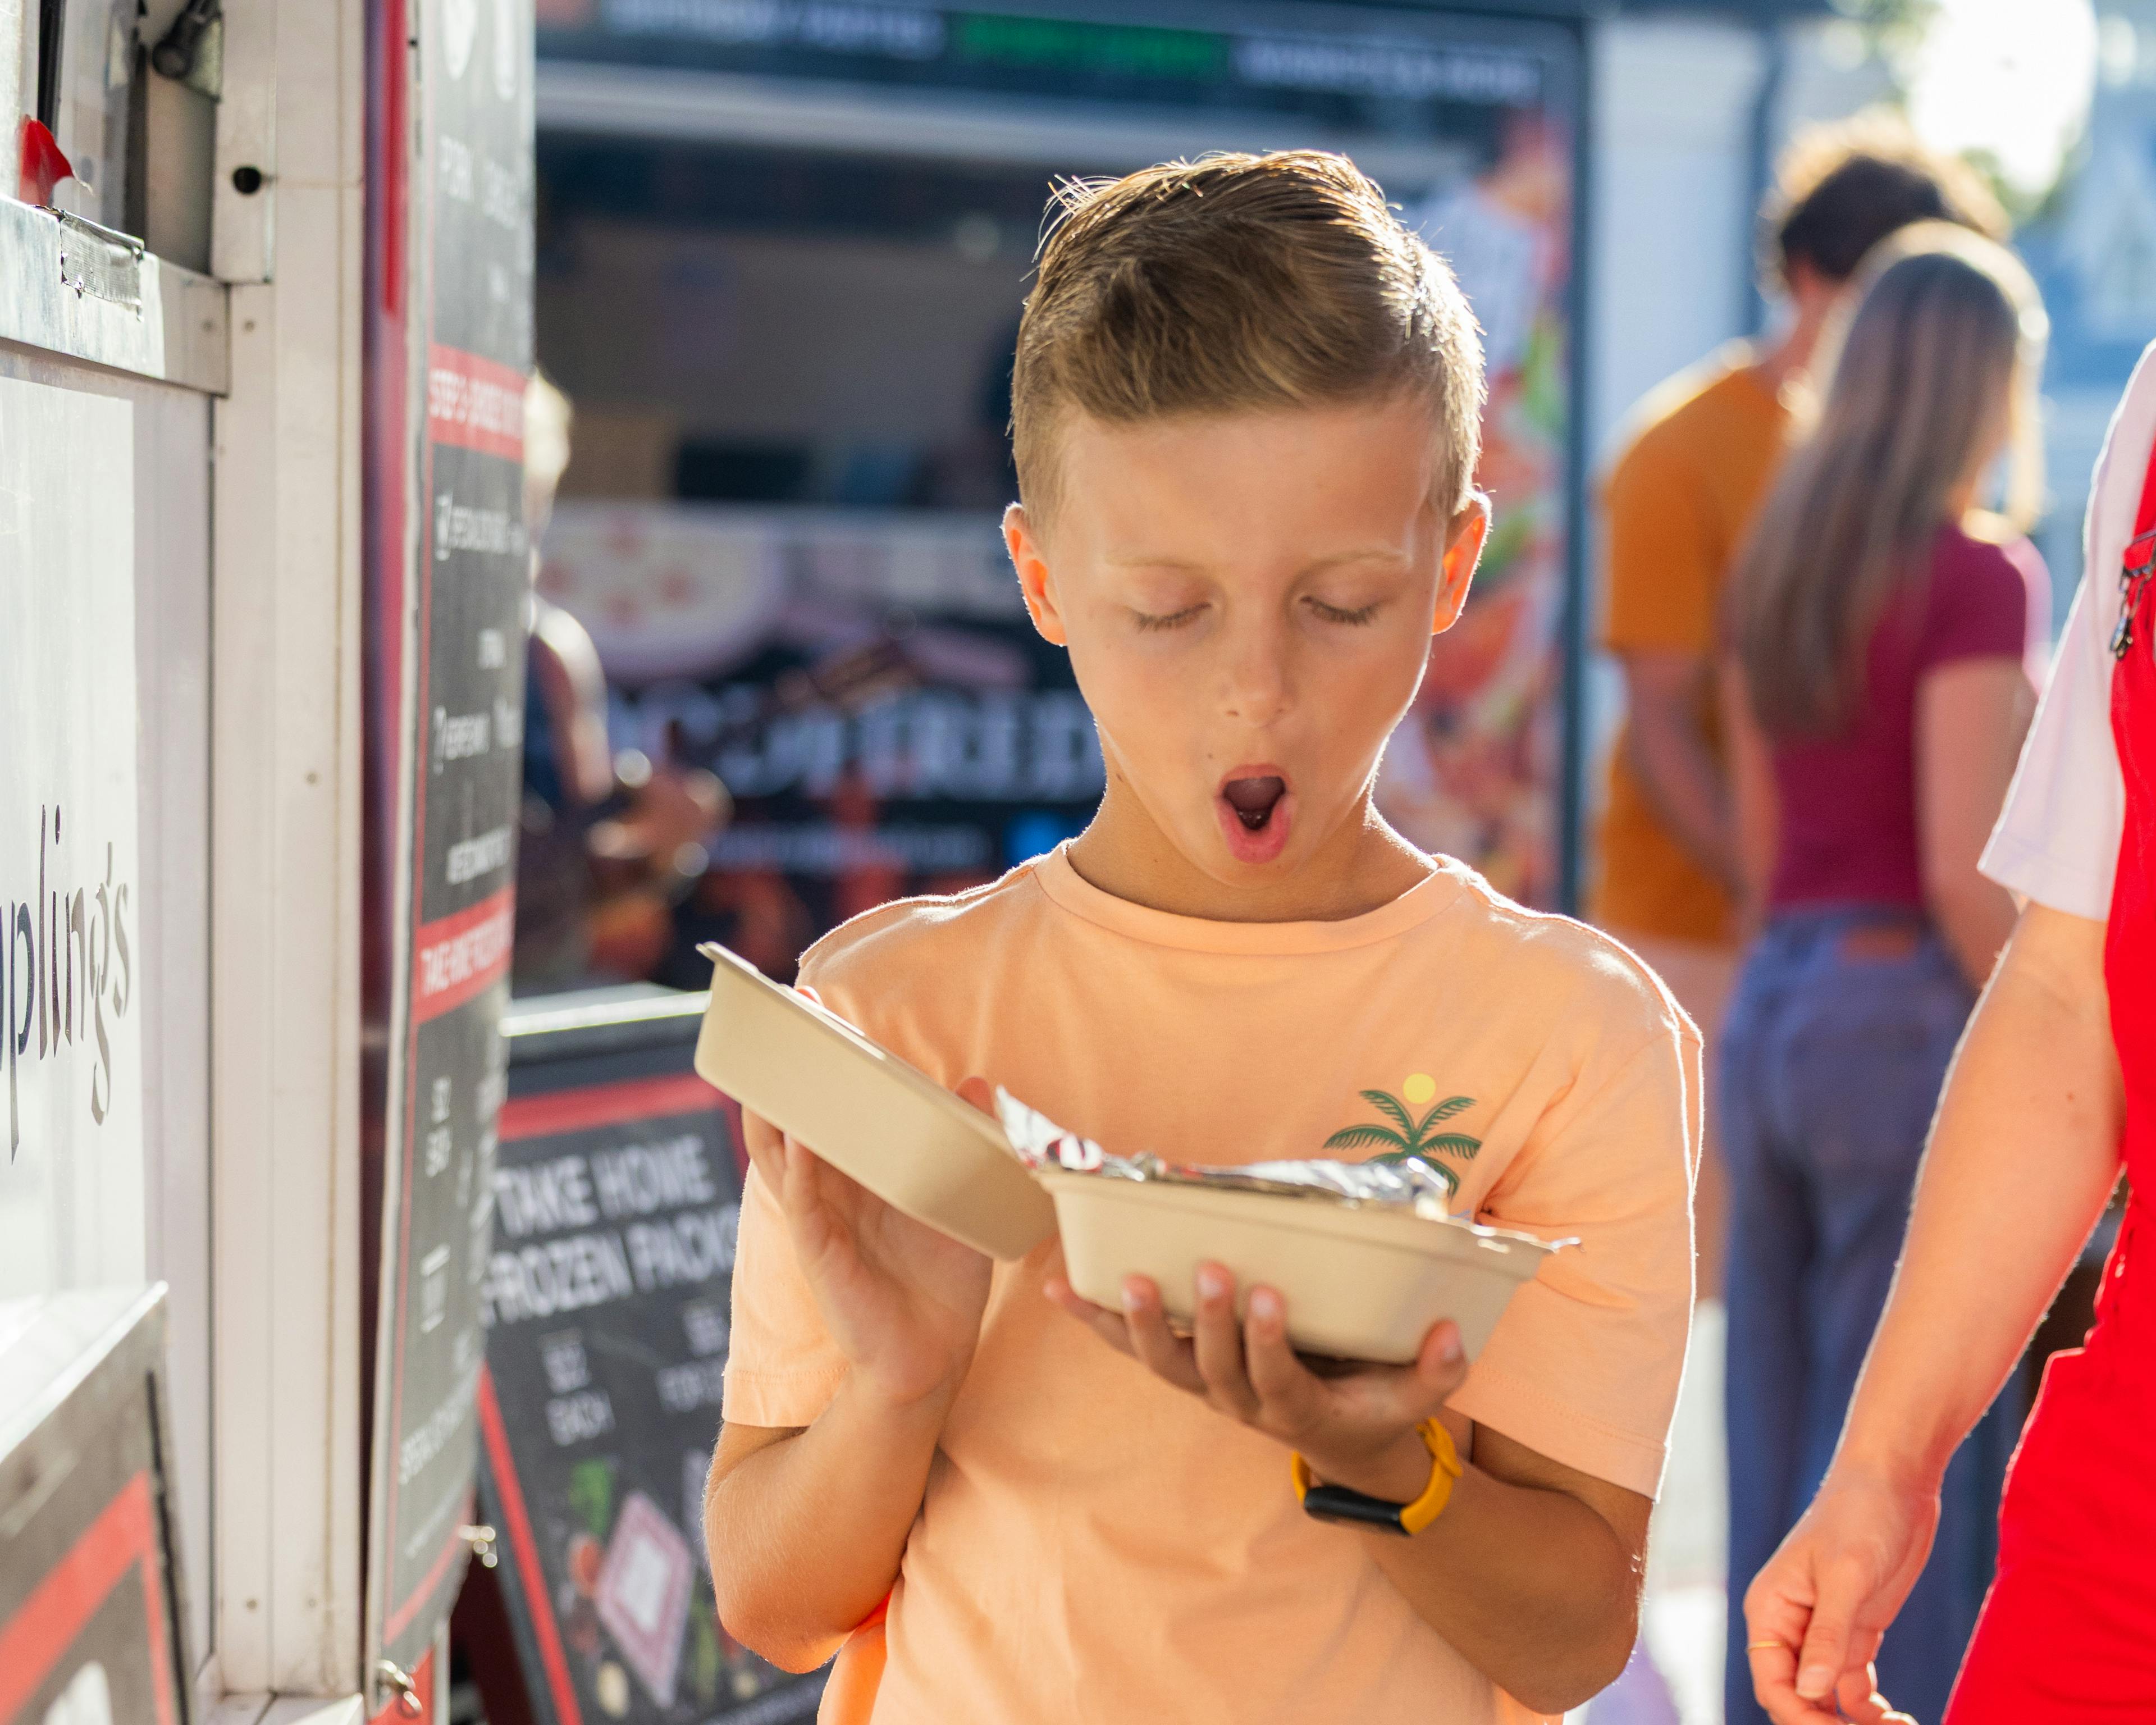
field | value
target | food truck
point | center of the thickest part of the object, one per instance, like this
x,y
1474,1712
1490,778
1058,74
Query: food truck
x,y
264,327
343,1299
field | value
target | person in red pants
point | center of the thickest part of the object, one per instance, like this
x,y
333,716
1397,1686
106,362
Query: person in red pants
x,y
2053,1093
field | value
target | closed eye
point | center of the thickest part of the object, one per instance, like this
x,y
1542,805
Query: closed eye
x,y
1173,619
1333,613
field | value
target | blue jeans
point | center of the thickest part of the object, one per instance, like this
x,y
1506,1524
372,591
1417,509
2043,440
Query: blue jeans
x,y
1836,1044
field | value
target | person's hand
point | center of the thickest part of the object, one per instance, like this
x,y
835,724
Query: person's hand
x,y
1354,1424
902,1301
1814,1616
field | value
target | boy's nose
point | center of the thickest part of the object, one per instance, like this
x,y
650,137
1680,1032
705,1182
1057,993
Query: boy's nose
x,y
1258,681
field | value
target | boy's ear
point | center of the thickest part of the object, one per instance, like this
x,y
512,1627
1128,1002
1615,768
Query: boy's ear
x,y
1463,550
1031,563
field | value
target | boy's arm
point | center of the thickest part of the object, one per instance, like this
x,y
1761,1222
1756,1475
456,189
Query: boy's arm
x,y
1533,1569
805,1526
805,1530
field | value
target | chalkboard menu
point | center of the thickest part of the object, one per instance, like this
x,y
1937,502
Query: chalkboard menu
x,y
90,1624
606,1298
452,675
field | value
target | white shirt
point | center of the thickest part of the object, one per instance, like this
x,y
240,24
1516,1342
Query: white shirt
x,y
2057,838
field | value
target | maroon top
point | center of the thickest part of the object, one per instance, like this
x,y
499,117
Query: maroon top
x,y
1848,803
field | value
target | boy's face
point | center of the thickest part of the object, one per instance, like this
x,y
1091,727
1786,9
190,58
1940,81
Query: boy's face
x,y
1248,600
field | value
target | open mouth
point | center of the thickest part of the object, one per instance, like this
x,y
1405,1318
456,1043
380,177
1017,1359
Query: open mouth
x,y
1254,799
1255,809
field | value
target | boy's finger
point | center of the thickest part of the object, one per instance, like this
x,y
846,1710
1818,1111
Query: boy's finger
x,y
1157,1349
1411,1393
1217,1344
800,1194
1108,1326
1293,1397
979,1092
761,1139
1441,1367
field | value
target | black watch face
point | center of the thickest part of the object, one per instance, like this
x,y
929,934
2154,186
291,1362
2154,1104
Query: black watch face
x,y
1336,1503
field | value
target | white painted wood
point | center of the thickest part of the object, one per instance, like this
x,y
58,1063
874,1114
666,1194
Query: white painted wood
x,y
166,322
242,225
287,1710
171,623
16,21
302,1710
286,839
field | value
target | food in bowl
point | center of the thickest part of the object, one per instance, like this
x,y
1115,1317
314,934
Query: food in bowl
x,y
1364,1253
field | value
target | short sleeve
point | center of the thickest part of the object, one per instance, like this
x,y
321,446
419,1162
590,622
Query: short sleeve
x,y
1584,1365
2057,838
1983,602
1665,556
782,1369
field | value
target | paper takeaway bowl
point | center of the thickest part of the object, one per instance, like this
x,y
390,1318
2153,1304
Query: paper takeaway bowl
x,y
1361,1281
867,1112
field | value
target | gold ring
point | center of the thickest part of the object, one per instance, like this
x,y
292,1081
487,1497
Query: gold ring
x,y
1761,1646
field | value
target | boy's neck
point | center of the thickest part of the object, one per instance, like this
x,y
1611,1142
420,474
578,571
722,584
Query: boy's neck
x,y
1362,866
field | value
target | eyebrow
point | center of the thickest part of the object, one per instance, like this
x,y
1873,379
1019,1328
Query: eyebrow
x,y
1365,554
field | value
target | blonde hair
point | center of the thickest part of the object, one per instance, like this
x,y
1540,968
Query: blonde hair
x,y
1239,282
1943,342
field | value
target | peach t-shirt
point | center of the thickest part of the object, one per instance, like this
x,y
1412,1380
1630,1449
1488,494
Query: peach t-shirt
x,y
1097,1546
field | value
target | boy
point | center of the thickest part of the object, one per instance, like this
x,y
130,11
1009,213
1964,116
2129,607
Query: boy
x,y
1245,413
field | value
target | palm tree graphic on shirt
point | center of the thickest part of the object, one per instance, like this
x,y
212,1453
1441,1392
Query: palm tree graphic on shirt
x,y
1411,1134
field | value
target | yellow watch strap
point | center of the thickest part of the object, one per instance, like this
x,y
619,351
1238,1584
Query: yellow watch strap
x,y
1444,1469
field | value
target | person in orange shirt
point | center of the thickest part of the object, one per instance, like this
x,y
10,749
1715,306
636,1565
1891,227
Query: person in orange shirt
x,y
1698,455
1245,410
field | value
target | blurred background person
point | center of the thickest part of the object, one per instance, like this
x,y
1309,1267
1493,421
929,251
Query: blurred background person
x,y
608,842
1699,456
1885,634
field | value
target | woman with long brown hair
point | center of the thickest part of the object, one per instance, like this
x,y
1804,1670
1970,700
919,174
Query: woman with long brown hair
x,y
1881,631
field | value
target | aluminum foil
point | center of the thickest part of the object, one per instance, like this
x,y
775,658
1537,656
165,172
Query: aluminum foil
x,y
1409,1184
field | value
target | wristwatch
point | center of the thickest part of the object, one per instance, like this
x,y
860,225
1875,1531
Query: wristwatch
x,y
1336,1503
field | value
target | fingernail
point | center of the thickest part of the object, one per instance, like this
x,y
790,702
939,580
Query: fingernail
x,y
1133,1300
1814,1681
1265,1303
1211,1285
1450,1350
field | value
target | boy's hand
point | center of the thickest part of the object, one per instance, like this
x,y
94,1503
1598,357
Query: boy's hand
x,y
1355,1427
902,1301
